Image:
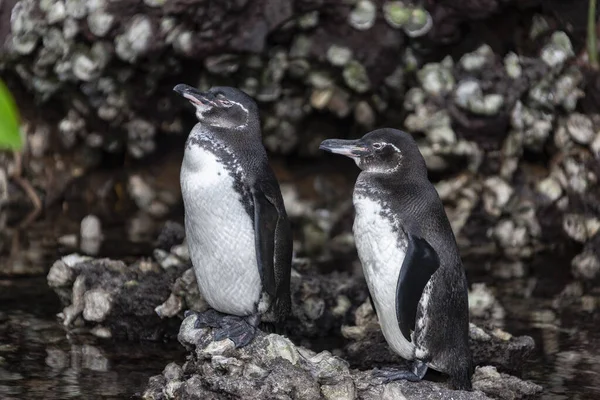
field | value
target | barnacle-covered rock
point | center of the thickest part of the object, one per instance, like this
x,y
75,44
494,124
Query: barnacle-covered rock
x,y
396,13
339,55
136,40
483,306
362,17
437,78
419,23
558,50
477,59
355,76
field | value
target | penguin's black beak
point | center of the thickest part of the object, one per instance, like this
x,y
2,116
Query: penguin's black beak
x,y
348,148
196,97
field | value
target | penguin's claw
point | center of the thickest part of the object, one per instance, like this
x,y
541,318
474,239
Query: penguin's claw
x,y
237,329
210,318
390,375
393,374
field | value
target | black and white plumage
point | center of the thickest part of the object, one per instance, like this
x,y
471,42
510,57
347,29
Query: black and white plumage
x,y
409,256
236,225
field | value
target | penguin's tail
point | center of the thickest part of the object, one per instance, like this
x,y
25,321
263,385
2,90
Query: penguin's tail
x,y
460,379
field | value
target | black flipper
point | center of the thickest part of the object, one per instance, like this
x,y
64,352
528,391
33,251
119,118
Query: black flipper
x,y
420,263
265,223
273,245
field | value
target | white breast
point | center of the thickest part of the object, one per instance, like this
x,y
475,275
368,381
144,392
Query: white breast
x,y
381,256
220,235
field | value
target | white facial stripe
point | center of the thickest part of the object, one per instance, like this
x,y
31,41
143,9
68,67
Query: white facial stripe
x,y
217,120
239,105
371,168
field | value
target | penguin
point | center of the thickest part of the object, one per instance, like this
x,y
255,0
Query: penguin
x,y
409,257
236,226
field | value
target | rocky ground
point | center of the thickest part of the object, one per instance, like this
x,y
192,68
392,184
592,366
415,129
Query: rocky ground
x,y
147,300
498,94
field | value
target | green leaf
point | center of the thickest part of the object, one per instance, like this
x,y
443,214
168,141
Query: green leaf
x,y
10,134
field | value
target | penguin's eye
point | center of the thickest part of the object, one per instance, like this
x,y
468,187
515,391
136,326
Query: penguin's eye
x,y
223,100
378,146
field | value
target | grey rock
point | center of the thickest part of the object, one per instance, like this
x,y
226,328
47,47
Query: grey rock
x,y
477,59
136,40
355,76
484,306
140,137
339,55
362,17
223,64
558,50
122,298
100,22
436,78
419,23
165,259
97,305
581,128
76,8
91,227
296,373
60,274
396,13
155,3
502,386
585,265
171,307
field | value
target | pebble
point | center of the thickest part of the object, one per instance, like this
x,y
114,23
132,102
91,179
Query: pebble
x,y
362,17
91,227
581,128
97,305
338,55
585,265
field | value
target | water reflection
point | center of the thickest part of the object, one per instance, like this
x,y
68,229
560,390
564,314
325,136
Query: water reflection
x,y
40,360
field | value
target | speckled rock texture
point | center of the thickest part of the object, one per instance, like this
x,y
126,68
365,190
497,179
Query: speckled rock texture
x,y
273,367
147,298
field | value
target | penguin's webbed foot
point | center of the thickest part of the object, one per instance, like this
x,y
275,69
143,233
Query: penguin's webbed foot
x,y
209,318
239,330
414,374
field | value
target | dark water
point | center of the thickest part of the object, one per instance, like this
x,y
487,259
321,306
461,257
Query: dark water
x,y
39,359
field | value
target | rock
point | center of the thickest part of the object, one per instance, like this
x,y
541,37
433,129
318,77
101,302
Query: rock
x,y
362,17
172,233
483,305
136,40
97,305
585,265
121,297
338,55
171,307
558,50
90,234
580,128
355,76
503,386
298,373
60,274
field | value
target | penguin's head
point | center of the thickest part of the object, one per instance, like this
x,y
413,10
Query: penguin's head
x,y
383,151
221,106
